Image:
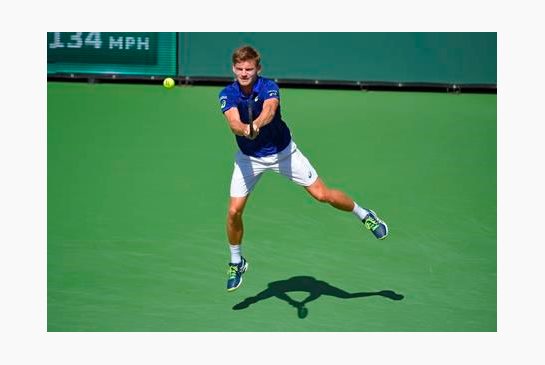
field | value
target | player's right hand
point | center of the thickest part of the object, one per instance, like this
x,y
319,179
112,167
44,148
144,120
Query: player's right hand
x,y
247,133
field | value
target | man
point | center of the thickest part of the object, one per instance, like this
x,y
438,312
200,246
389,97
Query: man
x,y
251,106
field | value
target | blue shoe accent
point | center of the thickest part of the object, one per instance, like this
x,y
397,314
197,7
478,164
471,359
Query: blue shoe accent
x,y
235,272
373,223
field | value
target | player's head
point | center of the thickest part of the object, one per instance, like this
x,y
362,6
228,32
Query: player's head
x,y
246,65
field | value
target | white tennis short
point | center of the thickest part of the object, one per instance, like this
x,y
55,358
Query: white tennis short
x,y
290,162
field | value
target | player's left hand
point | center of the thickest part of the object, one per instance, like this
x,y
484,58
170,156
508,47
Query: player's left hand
x,y
249,135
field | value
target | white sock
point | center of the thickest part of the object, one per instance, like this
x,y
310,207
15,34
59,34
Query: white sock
x,y
235,254
359,212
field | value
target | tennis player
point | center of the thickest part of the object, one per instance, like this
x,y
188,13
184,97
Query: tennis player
x,y
251,106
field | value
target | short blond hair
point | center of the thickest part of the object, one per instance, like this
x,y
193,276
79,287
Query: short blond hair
x,y
246,53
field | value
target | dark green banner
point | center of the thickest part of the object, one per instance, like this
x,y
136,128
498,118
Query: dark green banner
x,y
143,53
96,47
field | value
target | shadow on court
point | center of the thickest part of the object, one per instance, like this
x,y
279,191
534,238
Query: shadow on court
x,y
315,288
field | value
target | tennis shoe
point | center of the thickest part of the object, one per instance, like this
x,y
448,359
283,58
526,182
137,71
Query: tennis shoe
x,y
235,272
373,223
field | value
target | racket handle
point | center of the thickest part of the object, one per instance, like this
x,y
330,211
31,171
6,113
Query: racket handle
x,y
251,117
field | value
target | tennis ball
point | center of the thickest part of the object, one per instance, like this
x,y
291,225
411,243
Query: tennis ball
x,y
168,83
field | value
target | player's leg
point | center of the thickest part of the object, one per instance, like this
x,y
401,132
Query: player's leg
x,y
336,198
245,177
299,169
235,230
235,226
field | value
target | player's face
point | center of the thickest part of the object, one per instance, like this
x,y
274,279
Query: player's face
x,y
246,72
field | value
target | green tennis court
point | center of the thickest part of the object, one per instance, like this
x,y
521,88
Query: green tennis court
x,y
137,191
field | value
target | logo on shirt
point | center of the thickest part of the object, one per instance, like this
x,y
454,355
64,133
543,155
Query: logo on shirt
x,y
273,92
223,101
256,98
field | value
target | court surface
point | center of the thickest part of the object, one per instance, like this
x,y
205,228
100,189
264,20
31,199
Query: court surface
x,y
137,190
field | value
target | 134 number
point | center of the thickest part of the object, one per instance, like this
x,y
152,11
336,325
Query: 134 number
x,y
92,39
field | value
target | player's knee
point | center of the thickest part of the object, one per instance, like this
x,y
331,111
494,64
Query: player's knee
x,y
321,195
234,213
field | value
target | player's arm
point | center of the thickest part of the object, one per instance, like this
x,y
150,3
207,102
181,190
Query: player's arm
x,y
233,117
267,113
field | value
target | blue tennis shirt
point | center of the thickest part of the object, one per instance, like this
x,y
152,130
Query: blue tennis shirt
x,y
273,137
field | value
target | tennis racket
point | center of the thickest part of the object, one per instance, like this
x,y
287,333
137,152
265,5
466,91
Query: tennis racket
x,y
251,118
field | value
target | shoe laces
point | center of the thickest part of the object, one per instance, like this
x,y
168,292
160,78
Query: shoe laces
x,y
232,271
370,223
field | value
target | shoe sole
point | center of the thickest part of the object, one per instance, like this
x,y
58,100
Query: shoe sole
x,y
240,283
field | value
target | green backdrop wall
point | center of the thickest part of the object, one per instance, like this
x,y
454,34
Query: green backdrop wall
x,y
393,57
463,58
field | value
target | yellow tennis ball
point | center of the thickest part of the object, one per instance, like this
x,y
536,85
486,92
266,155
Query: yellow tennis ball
x,y
168,83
